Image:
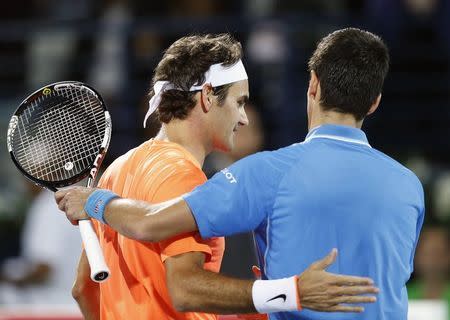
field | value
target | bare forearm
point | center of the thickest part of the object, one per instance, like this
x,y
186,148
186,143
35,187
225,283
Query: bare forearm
x,y
127,216
135,219
89,306
146,222
194,289
86,292
214,293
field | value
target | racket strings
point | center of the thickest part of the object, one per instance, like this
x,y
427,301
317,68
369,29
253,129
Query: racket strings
x,y
55,162
60,135
36,130
84,148
41,151
70,106
31,129
76,147
88,150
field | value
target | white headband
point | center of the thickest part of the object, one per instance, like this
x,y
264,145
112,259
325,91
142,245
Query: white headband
x,y
217,75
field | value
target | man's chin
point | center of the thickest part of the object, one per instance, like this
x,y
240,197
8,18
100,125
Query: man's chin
x,y
226,147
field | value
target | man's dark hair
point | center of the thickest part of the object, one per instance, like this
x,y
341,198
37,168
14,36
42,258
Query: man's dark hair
x,y
184,64
351,65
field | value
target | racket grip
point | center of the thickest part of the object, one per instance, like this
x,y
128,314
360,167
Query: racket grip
x,y
99,269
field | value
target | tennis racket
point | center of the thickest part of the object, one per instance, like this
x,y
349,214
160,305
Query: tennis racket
x,y
58,136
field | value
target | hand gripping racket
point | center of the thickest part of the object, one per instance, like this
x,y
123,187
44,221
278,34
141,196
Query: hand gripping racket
x,y
58,136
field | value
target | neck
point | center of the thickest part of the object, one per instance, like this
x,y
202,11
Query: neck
x,y
187,134
332,117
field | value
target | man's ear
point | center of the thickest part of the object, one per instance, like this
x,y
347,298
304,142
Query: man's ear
x,y
206,97
375,105
313,87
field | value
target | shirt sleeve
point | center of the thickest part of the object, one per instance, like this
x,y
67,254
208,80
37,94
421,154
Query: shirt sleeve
x,y
177,184
419,225
237,199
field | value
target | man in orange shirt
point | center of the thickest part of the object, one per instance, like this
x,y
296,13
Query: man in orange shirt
x,y
161,169
199,92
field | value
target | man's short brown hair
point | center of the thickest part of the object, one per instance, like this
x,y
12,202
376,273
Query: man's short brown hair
x,y
184,64
351,65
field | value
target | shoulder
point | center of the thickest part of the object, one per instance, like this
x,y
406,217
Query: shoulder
x,y
266,167
284,156
114,169
161,160
402,171
168,153
119,162
171,160
394,164
168,171
280,161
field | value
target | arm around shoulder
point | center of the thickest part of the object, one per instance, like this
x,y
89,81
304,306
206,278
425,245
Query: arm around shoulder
x,y
192,288
143,221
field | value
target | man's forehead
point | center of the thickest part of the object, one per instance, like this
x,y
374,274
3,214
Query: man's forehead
x,y
239,88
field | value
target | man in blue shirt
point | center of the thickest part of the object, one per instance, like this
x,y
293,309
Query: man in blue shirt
x,y
332,190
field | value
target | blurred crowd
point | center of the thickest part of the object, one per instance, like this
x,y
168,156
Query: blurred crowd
x,y
114,45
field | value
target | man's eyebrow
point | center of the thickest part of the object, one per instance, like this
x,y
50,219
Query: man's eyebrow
x,y
243,99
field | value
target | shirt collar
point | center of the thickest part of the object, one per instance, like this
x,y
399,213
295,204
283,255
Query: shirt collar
x,y
341,133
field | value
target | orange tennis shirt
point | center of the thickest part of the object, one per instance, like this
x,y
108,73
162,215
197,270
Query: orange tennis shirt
x,y
155,171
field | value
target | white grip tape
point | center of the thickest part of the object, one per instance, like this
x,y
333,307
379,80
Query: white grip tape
x,y
276,295
99,269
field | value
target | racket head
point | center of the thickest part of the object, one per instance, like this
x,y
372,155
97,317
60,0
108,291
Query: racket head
x,y
59,134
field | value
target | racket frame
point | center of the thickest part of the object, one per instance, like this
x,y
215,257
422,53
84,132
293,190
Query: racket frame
x,y
89,172
99,270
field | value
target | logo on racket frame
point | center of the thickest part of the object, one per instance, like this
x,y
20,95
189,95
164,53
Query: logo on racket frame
x,y
97,162
46,91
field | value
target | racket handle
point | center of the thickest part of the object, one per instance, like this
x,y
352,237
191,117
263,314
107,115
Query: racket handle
x,y
99,269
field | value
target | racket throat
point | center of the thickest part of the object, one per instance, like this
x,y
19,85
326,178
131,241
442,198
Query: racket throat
x,y
93,173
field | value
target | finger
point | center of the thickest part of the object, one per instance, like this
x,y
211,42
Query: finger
x,y
351,290
60,194
62,204
353,299
82,215
343,308
342,280
325,262
256,272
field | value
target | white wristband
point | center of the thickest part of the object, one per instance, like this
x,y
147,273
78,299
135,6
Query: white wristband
x,y
276,295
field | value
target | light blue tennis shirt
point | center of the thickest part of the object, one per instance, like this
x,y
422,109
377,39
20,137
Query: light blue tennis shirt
x,y
332,190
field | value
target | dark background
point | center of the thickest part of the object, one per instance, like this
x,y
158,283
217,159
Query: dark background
x,y
115,45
